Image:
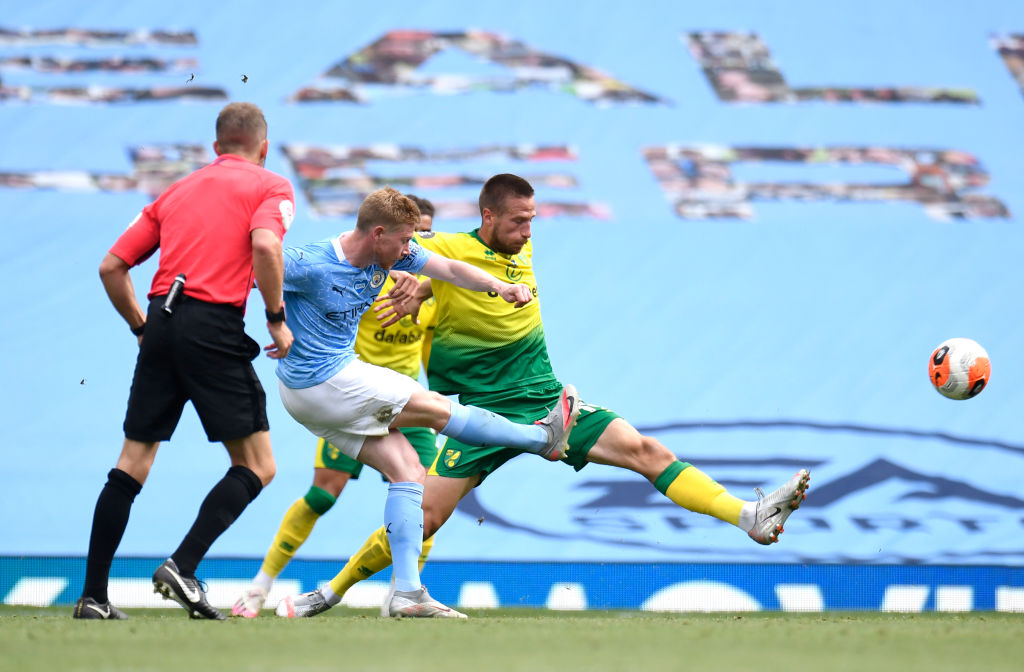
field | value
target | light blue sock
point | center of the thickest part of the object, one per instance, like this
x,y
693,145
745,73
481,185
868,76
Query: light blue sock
x,y
477,427
403,522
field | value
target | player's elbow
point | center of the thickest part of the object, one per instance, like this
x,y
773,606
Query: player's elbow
x,y
265,245
112,267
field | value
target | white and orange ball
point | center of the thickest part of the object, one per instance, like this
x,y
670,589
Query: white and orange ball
x,y
959,368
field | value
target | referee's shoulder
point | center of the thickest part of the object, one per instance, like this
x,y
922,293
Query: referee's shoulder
x,y
269,177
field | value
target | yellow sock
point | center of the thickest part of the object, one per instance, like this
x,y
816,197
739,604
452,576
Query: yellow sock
x,y
428,544
692,489
374,556
295,528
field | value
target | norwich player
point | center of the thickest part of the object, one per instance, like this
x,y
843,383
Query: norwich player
x,y
496,358
399,347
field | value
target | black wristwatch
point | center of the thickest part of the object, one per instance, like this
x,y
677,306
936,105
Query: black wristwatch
x,y
139,329
274,318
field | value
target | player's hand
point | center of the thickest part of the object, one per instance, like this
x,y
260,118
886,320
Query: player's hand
x,y
406,285
519,294
283,340
389,312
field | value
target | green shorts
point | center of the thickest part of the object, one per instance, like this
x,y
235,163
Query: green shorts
x,y
457,460
423,440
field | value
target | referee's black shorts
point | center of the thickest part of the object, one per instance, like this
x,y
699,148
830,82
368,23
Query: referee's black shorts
x,y
201,354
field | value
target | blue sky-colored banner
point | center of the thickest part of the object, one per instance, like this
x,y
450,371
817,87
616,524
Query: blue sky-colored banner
x,y
756,222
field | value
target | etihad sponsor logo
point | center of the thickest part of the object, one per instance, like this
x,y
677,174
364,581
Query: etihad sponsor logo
x,y
350,315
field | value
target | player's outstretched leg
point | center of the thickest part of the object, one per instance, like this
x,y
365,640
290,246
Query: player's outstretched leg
x,y
302,606
476,426
185,590
773,509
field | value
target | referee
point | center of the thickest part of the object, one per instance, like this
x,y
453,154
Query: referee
x,y
218,230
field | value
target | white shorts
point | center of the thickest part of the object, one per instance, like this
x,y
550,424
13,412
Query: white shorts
x,y
359,401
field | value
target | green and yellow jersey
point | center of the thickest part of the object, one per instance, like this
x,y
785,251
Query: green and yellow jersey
x,y
398,347
482,344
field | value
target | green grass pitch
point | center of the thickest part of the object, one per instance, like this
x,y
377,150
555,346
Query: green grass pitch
x,y
515,639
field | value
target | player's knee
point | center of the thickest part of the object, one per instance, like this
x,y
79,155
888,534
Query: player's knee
x,y
654,450
427,409
265,469
418,471
331,481
410,472
639,451
440,411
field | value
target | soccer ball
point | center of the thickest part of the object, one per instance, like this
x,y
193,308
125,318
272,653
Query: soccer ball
x,y
959,368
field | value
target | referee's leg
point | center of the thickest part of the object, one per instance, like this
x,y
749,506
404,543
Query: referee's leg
x,y
108,525
252,467
254,452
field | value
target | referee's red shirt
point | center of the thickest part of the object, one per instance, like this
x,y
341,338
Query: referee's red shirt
x,y
202,225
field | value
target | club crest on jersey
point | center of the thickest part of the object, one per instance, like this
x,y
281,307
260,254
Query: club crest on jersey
x,y
451,457
512,272
378,278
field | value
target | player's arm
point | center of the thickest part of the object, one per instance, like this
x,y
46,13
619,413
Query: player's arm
x,y
267,227
134,246
268,266
117,281
404,287
390,310
467,276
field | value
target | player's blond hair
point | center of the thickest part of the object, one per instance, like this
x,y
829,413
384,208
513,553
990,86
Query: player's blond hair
x,y
387,207
241,128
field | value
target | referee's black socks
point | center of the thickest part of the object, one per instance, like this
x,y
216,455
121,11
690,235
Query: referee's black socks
x,y
221,507
108,524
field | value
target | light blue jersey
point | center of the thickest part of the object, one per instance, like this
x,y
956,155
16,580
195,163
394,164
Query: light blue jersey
x,y
324,297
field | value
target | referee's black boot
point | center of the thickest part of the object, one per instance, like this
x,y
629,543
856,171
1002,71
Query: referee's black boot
x,y
87,607
185,590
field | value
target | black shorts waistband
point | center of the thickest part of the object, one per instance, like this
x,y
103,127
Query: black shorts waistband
x,y
225,307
